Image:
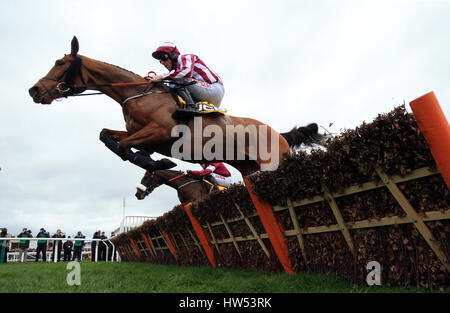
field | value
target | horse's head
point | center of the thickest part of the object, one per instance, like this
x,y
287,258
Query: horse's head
x,y
147,185
57,83
152,180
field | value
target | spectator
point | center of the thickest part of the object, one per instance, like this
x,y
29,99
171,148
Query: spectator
x,y
42,245
68,249
78,246
57,243
94,245
4,245
24,244
111,256
103,247
99,244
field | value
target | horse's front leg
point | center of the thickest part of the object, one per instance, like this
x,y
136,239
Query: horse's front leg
x,y
114,134
150,134
111,138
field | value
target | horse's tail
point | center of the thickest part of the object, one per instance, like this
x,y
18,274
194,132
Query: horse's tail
x,y
303,135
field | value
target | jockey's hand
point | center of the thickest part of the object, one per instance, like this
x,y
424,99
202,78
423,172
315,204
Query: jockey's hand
x,y
156,79
188,172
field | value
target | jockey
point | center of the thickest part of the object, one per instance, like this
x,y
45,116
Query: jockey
x,y
215,173
199,81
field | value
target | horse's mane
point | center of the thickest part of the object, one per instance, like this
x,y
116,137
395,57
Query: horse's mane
x,y
174,171
121,68
159,84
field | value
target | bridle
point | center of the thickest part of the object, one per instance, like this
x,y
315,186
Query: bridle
x,y
63,87
74,69
149,189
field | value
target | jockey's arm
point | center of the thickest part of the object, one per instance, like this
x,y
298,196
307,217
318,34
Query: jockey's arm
x,y
205,172
157,79
186,69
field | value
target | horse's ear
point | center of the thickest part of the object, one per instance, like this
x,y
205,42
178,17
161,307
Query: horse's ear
x,y
166,163
75,46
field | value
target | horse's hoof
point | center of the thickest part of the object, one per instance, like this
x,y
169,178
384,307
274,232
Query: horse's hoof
x,y
103,135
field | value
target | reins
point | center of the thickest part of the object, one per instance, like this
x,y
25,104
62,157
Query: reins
x,y
180,176
175,178
147,191
74,69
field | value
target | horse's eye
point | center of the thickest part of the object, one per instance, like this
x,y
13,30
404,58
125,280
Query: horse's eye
x,y
59,63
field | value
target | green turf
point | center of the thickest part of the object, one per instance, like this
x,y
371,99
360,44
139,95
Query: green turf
x,y
130,277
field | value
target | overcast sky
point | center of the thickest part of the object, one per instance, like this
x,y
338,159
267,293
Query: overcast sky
x,y
284,63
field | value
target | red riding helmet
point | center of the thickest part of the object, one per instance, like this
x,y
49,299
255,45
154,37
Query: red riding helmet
x,y
167,48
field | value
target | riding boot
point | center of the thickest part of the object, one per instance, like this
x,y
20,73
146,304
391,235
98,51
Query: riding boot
x,y
185,94
190,109
213,181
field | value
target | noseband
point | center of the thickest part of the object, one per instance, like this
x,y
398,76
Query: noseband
x,y
69,75
147,190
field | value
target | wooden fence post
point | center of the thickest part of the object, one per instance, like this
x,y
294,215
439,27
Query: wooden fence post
x,y
202,235
227,227
136,249
149,244
339,219
273,229
253,230
169,243
434,126
213,237
195,240
297,228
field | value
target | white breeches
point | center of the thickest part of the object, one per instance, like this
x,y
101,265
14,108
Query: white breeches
x,y
222,180
202,91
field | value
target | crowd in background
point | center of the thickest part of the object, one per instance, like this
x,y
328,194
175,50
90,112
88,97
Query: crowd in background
x,y
71,249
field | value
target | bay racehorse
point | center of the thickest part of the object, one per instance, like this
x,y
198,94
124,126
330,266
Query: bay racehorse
x,y
147,110
189,189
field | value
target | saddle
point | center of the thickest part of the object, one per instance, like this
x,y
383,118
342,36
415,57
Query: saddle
x,y
207,184
203,107
210,186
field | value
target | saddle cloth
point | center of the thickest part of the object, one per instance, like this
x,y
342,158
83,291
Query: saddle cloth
x,y
210,187
204,107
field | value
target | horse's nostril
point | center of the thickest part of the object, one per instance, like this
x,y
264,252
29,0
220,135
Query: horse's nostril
x,y
33,91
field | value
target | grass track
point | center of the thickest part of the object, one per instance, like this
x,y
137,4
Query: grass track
x,y
131,277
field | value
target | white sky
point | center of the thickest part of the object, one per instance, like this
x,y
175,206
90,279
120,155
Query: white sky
x,y
284,63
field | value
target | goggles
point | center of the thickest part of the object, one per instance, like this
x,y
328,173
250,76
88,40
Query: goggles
x,y
163,57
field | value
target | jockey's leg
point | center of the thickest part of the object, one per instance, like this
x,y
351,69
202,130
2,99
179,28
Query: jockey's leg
x,y
222,180
212,93
184,93
212,180
201,91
